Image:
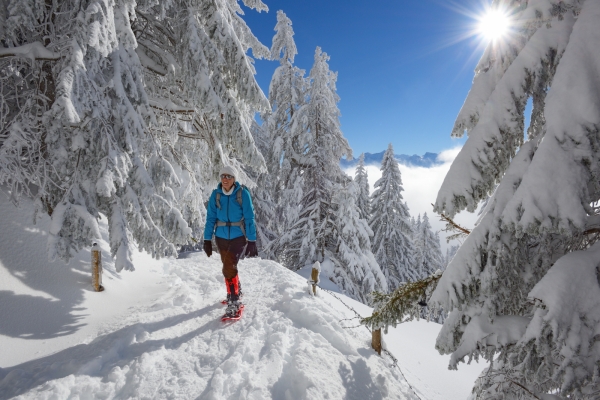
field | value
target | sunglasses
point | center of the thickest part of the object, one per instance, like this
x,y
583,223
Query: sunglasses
x,y
225,176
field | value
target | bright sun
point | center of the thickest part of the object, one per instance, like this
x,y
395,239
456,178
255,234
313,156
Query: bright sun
x,y
494,24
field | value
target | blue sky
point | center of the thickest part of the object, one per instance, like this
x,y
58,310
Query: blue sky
x,y
402,72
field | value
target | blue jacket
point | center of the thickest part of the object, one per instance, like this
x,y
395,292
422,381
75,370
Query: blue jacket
x,y
230,211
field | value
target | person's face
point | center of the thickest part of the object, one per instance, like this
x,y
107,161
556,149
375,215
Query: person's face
x,y
227,181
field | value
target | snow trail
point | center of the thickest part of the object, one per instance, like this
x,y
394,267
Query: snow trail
x,y
156,333
286,346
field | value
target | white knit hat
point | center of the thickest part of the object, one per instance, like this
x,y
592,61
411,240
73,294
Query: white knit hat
x,y
227,170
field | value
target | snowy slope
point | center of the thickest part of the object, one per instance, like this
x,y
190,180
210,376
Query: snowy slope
x,y
48,306
156,333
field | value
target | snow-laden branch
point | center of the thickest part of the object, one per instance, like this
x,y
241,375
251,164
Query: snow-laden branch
x,y
34,51
168,105
592,225
158,26
149,63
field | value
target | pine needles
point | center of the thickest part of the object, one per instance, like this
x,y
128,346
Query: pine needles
x,y
404,304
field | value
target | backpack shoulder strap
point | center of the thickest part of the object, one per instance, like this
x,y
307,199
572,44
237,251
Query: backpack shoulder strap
x,y
218,199
239,194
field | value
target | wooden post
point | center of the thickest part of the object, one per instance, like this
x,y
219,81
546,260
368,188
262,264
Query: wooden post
x,y
314,276
376,341
97,268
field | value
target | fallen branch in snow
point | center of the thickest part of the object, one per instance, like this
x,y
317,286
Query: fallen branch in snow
x,y
34,51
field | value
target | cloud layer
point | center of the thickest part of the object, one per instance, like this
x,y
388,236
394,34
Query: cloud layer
x,y
420,190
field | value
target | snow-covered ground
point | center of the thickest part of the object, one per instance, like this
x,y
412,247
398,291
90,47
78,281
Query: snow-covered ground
x,y
156,332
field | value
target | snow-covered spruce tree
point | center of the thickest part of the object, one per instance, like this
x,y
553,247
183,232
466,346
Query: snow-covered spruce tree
x,y
428,260
286,95
391,225
450,253
264,206
81,128
355,270
428,254
523,288
316,125
363,200
417,250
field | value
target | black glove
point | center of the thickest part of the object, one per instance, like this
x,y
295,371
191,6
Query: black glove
x,y
251,250
208,247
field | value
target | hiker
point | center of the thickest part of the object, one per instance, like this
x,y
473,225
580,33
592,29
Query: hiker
x,y
230,215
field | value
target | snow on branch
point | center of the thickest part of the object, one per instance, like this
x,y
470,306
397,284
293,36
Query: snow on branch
x,y
592,225
158,26
149,63
34,51
168,105
405,302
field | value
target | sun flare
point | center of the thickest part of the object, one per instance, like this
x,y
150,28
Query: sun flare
x,y
494,24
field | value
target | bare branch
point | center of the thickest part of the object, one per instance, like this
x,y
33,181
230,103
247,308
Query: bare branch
x,y
523,387
453,225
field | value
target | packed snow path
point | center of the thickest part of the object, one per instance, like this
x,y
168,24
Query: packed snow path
x,y
288,345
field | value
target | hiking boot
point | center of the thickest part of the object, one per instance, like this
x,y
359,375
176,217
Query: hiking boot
x,y
233,308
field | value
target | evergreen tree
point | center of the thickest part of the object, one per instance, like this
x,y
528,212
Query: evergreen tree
x,y
355,270
428,255
286,94
391,225
414,223
112,107
522,289
264,206
362,180
417,249
450,253
316,125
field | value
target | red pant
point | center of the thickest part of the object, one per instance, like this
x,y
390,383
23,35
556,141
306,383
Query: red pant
x,y
230,251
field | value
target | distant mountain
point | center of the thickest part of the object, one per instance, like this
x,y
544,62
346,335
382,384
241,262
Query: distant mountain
x,y
427,160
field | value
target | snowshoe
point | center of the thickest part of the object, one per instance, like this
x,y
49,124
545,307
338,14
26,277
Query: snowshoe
x,y
234,311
